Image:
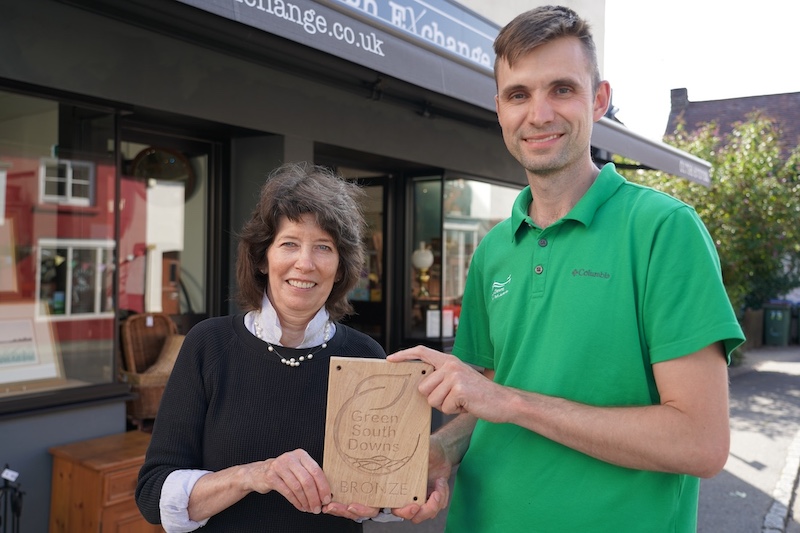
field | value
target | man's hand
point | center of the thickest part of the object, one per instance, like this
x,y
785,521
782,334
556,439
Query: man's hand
x,y
439,469
437,500
455,387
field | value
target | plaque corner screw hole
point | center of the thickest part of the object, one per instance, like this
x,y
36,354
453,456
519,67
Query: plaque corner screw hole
x,y
338,367
416,498
424,372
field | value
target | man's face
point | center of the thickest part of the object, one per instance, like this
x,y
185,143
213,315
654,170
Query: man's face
x,y
546,106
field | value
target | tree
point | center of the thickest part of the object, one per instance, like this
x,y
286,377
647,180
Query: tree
x,y
751,209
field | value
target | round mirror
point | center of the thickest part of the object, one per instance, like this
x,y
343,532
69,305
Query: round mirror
x,y
164,164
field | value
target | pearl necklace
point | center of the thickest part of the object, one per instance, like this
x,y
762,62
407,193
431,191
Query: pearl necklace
x,y
291,361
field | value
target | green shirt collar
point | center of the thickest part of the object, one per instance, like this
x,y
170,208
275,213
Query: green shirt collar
x,y
603,188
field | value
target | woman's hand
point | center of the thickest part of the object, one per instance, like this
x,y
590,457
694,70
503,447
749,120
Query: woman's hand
x,y
295,475
300,479
353,511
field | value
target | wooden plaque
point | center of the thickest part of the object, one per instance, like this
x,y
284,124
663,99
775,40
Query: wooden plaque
x,y
377,432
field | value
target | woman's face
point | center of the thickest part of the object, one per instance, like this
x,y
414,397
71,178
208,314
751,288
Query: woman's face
x,y
303,264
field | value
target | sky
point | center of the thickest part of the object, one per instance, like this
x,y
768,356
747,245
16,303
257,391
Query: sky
x,y
716,49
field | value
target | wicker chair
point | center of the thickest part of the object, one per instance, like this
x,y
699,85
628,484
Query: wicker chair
x,y
143,338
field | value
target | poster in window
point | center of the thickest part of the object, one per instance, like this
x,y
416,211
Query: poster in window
x,y
27,351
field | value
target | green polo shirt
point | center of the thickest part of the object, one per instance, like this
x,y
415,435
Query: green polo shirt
x,y
581,310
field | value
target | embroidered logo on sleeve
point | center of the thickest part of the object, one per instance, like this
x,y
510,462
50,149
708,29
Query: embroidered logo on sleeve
x,y
499,288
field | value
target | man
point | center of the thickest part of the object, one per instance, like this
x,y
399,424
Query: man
x,y
598,314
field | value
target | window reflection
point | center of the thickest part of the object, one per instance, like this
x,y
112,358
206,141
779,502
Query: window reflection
x,y
451,229
76,277
57,246
66,182
162,230
425,258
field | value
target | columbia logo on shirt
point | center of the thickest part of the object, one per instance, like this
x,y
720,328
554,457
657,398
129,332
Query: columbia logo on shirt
x,y
585,272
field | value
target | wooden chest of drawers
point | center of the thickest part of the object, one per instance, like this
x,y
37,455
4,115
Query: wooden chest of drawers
x,y
94,483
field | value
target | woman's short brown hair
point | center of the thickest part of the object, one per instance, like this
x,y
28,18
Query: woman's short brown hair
x,y
291,191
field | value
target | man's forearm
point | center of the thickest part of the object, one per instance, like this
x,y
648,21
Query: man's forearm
x,y
454,437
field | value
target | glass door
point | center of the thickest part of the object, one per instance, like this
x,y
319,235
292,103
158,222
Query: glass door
x,y
369,295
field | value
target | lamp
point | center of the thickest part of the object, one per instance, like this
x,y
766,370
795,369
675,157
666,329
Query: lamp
x,y
422,259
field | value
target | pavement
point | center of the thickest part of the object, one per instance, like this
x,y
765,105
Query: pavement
x,y
757,490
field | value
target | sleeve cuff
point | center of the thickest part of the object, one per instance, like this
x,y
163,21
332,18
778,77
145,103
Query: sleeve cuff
x,y
174,502
385,515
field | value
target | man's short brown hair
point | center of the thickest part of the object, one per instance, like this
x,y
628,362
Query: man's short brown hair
x,y
540,26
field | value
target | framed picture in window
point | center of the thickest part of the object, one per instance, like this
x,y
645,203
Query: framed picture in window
x,y
28,354
8,264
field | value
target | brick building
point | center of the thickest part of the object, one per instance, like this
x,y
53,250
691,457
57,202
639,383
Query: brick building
x,y
784,108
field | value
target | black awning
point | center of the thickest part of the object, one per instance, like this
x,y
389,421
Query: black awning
x,y
616,138
436,45
406,39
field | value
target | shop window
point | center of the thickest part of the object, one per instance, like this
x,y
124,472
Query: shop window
x,y
471,209
163,228
63,181
425,253
57,320
460,241
450,218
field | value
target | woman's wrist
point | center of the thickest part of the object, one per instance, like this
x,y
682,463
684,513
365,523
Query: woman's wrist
x,y
243,478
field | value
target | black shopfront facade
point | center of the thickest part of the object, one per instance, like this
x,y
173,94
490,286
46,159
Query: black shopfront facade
x,y
134,137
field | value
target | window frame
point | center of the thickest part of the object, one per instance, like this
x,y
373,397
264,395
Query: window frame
x,y
69,180
98,246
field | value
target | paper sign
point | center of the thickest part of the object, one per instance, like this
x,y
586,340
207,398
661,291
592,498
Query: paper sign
x,y
10,475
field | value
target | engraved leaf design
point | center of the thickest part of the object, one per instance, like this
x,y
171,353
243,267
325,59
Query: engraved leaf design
x,y
375,393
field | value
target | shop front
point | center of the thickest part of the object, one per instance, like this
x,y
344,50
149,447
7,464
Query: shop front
x,y
134,137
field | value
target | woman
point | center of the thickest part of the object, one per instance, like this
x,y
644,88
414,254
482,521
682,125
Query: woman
x,y
237,444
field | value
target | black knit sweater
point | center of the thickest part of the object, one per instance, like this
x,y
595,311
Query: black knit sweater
x,y
230,402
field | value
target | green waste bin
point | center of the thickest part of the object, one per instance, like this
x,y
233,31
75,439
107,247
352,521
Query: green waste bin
x,y
777,319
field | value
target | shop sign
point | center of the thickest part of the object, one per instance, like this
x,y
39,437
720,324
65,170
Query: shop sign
x,y
438,23
431,43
